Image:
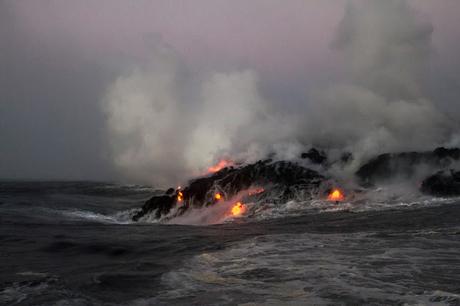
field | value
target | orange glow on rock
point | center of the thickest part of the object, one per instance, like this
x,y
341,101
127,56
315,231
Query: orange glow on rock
x,y
220,165
336,195
180,197
218,196
238,209
256,191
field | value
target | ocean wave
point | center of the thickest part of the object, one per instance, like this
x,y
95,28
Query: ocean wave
x,y
122,217
321,269
76,208
73,188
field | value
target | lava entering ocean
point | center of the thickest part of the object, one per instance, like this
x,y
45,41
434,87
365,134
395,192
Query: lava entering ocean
x,y
336,195
180,197
218,197
238,209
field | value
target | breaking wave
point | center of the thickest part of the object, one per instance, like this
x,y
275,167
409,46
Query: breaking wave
x,y
90,204
317,268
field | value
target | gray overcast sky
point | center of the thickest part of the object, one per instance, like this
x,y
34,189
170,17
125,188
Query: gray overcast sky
x,y
57,59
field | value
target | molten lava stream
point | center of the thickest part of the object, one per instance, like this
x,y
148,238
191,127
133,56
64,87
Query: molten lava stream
x,y
218,197
219,166
255,191
180,197
238,209
336,195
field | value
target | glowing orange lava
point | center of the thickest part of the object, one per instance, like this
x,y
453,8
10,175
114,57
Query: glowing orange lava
x,y
180,196
220,165
336,195
255,191
238,209
218,196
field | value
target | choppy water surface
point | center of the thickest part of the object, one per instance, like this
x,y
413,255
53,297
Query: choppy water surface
x,y
73,244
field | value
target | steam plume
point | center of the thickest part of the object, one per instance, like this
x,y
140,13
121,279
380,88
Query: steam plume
x,y
163,131
166,127
381,105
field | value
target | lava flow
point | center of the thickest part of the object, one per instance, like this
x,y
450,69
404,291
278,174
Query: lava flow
x,y
238,209
220,165
336,195
255,191
180,196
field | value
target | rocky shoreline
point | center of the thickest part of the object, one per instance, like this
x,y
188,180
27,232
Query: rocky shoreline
x,y
287,178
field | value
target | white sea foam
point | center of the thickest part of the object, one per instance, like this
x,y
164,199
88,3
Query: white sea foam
x,y
121,217
319,269
378,199
270,207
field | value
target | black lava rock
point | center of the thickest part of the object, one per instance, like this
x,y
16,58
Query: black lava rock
x,y
315,156
282,175
443,183
389,165
160,204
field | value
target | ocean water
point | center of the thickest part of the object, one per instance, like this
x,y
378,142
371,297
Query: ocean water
x,y
72,243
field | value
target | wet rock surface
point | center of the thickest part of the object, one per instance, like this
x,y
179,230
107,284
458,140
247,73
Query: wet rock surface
x,y
283,176
161,205
404,165
286,179
443,183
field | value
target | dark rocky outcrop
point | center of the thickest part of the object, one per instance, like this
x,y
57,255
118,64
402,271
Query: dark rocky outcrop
x,y
160,204
315,156
404,165
282,176
443,183
286,179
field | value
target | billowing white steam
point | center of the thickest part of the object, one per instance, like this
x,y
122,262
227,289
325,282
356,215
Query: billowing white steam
x,y
144,120
231,103
165,127
381,105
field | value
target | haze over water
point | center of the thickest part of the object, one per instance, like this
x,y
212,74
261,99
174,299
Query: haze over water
x,y
106,104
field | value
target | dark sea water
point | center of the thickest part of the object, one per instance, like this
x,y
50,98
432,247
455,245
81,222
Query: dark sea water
x,y
72,243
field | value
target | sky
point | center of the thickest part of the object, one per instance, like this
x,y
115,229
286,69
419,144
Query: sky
x,y
137,90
